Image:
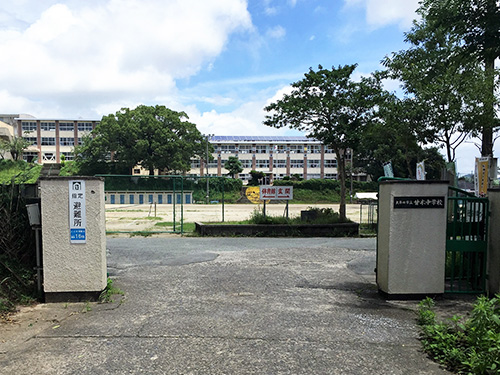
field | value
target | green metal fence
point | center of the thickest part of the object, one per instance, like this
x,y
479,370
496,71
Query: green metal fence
x,y
466,242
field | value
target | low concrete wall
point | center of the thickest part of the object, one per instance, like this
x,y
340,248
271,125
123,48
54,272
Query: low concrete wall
x,y
279,230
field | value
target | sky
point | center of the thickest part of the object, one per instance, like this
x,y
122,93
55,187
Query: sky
x,y
219,61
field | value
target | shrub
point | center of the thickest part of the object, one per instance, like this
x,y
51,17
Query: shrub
x,y
469,347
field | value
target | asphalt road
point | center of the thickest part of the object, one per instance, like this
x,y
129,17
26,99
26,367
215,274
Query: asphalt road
x,y
233,306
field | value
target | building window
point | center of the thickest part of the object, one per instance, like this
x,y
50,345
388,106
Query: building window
x,y
277,163
48,141
262,163
261,149
228,149
67,141
84,126
213,164
245,149
298,163
32,140
137,171
331,176
330,163
195,163
68,155
246,163
30,156
313,163
28,126
329,150
66,126
80,142
280,149
48,126
314,149
296,149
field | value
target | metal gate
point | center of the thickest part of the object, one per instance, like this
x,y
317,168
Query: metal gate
x,y
466,242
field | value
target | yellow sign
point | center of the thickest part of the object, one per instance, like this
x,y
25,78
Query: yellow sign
x,y
482,176
253,194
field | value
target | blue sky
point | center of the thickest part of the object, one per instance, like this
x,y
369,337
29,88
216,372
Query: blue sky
x,y
220,61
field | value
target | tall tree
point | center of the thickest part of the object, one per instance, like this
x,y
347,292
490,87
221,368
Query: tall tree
x,y
475,26
152,137
398,138
233,165
447,92
330,107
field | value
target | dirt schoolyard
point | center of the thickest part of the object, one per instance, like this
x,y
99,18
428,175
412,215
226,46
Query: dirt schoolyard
x,y
134,218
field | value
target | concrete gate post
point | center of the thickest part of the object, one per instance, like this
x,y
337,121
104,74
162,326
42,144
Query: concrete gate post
x,y
493,266
411,241
73,238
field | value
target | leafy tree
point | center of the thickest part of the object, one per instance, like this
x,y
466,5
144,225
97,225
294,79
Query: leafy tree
x,y
15,147
473,29
256,178
332,108
152,137
446,92
233,165
397,137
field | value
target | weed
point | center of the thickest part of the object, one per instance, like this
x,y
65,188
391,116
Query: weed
x,y
467,347
86,308
141,234
109,292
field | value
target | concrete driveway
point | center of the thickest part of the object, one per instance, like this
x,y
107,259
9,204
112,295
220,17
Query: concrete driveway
x,y
233,306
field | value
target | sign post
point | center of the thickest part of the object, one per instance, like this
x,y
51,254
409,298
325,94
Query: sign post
x,y
276,193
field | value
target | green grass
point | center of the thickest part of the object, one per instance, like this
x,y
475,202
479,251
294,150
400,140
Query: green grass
x,y
187,227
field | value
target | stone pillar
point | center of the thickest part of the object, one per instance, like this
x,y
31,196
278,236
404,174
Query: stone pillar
x,y
493,266
73,238
411,241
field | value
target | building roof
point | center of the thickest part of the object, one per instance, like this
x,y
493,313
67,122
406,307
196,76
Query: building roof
x,y
57,119
261,139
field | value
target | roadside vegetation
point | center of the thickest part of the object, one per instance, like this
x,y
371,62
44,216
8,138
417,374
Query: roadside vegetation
x,y
465,346
17,254
19,172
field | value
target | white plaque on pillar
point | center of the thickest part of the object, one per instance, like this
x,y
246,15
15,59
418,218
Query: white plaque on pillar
x,y
77,214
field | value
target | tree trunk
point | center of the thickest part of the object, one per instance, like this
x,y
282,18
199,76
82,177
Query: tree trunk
x,y
487,139
342,178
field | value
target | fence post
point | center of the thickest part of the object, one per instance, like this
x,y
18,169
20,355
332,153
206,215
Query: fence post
x,y
493,262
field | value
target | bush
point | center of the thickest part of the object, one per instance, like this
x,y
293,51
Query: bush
x,y
321,216
469,347
19,172
17,255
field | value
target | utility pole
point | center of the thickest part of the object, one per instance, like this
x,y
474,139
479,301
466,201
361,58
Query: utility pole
x,y
206,164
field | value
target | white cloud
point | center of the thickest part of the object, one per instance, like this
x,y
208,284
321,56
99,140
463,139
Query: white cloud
x,y
380,13
244,120
116,50
277,32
